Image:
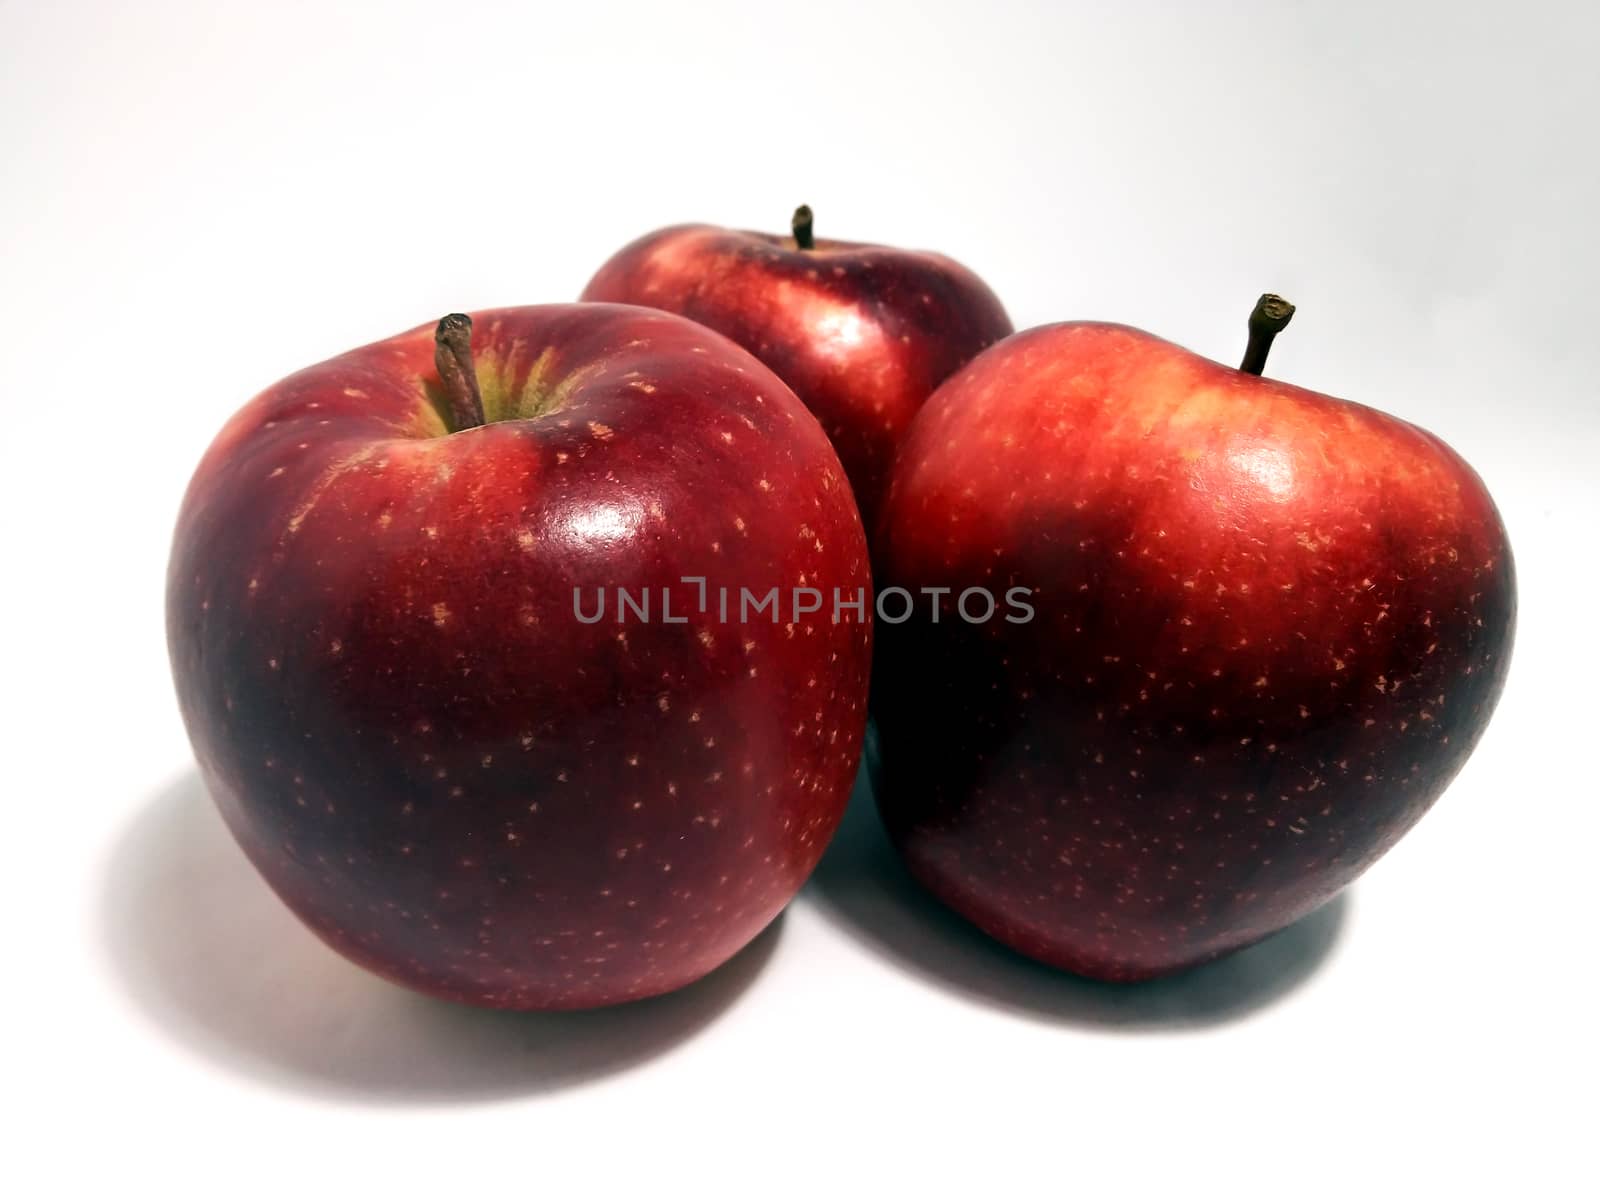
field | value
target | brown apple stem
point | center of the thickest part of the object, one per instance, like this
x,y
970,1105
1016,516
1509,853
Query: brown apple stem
x,y
452,356
801,224
1267,320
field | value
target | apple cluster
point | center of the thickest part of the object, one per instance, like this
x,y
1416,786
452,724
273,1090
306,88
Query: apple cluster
x,y
1167,652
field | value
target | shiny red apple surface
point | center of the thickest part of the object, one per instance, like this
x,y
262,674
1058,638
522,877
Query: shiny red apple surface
x,y
443,768
862,333
1269,628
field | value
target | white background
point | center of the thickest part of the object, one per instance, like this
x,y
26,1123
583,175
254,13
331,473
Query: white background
x,y
199,199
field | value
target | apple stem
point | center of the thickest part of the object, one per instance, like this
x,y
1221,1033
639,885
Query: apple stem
x,y
1268,319
801,224
452,356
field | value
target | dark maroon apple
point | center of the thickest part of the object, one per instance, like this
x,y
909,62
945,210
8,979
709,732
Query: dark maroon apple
x,y
386,626
862,333
1269,627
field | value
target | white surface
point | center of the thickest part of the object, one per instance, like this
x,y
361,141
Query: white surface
x,y
199,199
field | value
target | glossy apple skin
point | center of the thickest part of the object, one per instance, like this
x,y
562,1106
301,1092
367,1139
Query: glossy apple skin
x,y
862,333
1270,627
437,767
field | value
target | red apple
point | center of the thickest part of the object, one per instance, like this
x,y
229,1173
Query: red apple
x,y
862,333
1269,627
449,774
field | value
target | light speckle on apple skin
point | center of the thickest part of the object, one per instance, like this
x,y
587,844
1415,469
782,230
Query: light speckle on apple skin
x,y
863,344
1270,628
475,786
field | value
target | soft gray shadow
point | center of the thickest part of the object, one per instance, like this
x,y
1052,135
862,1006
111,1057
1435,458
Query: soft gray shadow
x,y
862,887
221,965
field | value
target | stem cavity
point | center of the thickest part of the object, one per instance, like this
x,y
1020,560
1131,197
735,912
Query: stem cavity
x,y
452,356
1268,319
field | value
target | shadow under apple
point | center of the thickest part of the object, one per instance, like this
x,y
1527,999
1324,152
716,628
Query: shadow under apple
x,y
215,959
863,888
